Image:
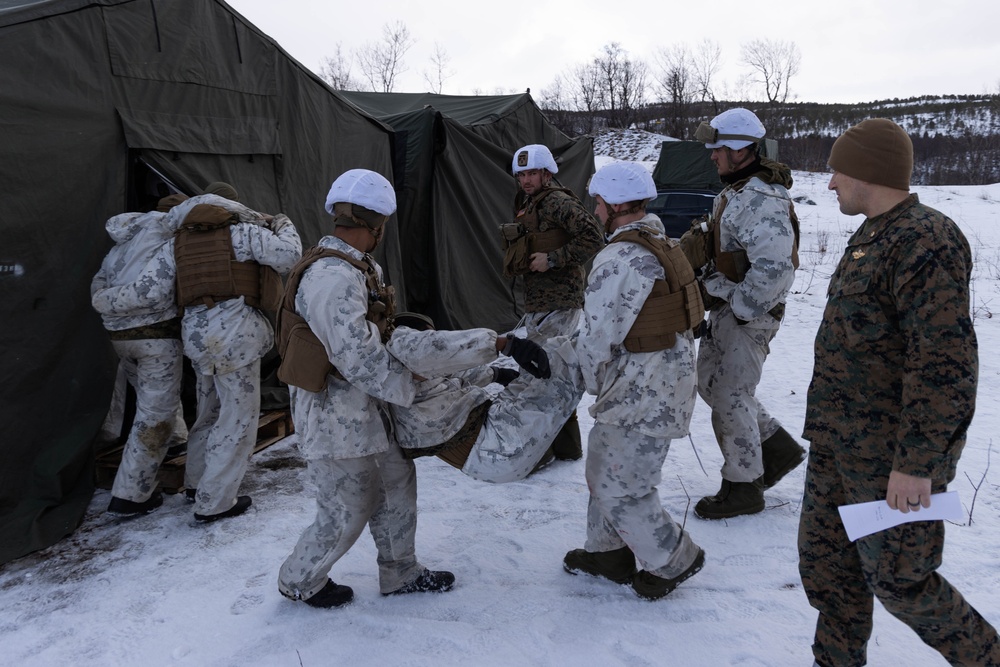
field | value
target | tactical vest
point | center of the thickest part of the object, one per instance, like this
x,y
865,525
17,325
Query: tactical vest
x,y
207,270
673,305
522,239
735,264
304,361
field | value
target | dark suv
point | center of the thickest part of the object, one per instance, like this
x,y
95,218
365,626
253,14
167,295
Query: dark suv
x,y
677,208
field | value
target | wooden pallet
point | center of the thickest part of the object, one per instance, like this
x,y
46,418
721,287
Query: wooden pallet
x,y
272,427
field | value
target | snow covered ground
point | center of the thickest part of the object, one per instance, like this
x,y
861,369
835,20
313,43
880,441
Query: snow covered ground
x,y
163,590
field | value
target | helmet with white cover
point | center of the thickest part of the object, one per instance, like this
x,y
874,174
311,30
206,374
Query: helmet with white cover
x,y
735,128
533,156
362,187
622,182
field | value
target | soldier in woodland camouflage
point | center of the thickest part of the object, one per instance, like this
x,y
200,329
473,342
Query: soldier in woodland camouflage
x,y
752,246
644,390
891,398
558,236
360,473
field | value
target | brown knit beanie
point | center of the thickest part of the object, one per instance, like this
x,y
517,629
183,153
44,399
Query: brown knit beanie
x,y
875,151
168,202
224,190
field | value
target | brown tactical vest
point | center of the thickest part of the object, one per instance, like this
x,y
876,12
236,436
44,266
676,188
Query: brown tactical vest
x,y
207,270
674,304
522,239
304,361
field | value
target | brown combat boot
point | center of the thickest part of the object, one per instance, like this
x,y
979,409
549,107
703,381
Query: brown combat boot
x,y
617,565
733,499
781,454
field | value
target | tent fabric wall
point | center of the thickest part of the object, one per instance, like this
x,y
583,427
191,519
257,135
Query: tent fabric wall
x,y
193,90
455,189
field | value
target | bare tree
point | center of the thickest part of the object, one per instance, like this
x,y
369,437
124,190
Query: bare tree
x,y
336,70
556,103
774,63
439,72
676,86
382,62
706,62
621,84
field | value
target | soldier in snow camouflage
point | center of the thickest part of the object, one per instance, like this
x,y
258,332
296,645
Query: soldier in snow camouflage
x,y
752,244
564,237
643,399
360,473
225,341
891,398
134,293
517,425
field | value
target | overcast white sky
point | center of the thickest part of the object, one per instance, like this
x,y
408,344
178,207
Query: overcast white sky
x,y
852,50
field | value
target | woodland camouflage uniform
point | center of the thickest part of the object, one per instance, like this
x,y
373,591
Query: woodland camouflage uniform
x,y
553,299
893,389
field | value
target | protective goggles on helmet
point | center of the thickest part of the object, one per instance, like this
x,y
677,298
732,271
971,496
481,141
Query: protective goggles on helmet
x,y
710,135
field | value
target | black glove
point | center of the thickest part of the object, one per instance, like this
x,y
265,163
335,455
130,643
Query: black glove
x,y
504,376
529,356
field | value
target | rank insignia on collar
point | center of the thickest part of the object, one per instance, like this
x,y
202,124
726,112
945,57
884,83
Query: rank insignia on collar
x,y
858,254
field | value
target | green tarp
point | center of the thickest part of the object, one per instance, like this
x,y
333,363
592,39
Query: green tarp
x,y
454,189
96,98
688,164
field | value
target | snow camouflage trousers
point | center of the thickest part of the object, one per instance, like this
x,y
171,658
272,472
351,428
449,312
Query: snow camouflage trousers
x,y
154,368
525,418
379,491
623,470
898,565
730,362
223,437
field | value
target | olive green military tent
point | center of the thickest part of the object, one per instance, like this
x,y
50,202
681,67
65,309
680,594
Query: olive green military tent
x,y
106,105
454,189
688,164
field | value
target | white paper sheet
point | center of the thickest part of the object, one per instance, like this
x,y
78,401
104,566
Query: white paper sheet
x,y
866,518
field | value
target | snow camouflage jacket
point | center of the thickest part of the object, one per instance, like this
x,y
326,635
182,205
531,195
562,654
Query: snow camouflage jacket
x,y
135,284
561,287
652,392
896,357
232,334
454,364
756,220
344,420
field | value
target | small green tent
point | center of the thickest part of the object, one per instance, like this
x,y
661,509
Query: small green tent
x,y
688,164
103,104
454,189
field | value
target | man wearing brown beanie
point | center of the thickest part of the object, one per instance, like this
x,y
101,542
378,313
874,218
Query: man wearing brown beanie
x,y
892,394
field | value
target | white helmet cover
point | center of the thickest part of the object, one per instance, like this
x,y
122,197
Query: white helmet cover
x,y
364,188
735,128
533,156
622,182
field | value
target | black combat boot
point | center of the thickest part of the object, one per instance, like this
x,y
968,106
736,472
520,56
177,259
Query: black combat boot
x,y
331,595
567,445
242,505
733,499
651,587
781,454
429,581
133,508
617,565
